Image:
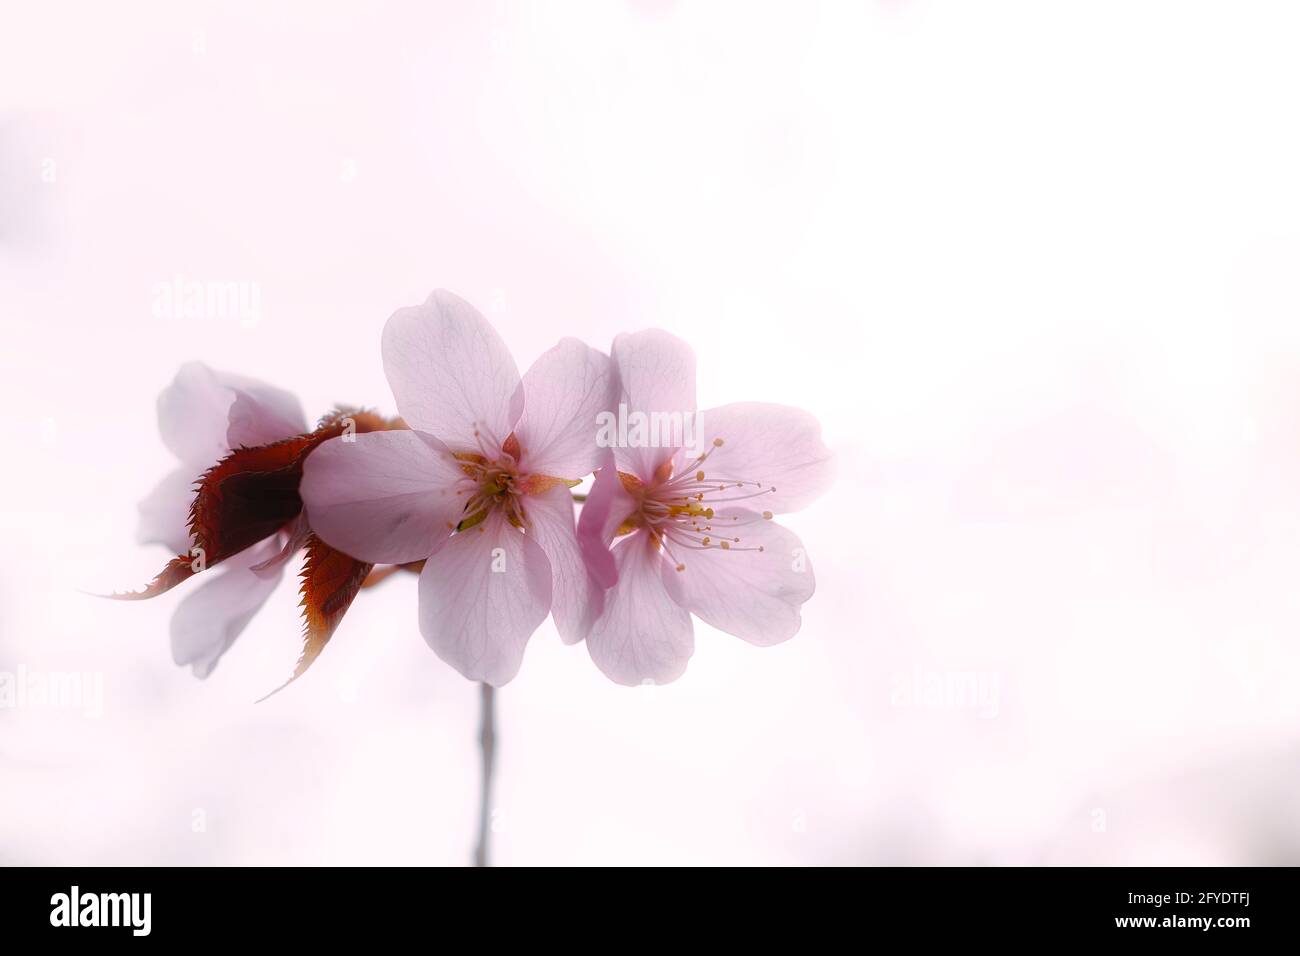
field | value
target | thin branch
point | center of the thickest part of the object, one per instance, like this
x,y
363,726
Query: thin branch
x,y
487,739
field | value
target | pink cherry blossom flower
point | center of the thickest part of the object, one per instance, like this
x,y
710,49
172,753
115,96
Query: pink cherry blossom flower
x,y
695,523
478,488
203,415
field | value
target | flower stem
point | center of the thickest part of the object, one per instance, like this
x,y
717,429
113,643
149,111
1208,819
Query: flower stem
x,y
487,739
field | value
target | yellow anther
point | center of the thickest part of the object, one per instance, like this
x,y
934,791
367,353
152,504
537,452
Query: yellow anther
x,y
692,510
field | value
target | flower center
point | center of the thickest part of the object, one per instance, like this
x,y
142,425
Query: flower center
x,y
491,482
678,509
487,487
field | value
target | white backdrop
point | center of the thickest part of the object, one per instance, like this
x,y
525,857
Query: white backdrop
x,y
1034,267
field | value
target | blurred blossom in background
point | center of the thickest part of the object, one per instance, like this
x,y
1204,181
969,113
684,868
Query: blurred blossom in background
x,y
1034,268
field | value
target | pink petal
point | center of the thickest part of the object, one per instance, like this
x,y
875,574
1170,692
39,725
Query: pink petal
x,y
608,505
564,392
451,373
482,596
387,497
576,599
193,416
754,595
261,414
644,634
656,373
208,620
777,445
204,413
165,511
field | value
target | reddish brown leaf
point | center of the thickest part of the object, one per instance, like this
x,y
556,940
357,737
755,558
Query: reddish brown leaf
x,y
251,494
176,571
247,496
330,580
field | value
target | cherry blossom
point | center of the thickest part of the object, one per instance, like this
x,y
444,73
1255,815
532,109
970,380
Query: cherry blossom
x,y
674,530
203,415
478,489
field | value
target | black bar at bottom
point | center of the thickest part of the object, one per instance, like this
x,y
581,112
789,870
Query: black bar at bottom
x,y
334,906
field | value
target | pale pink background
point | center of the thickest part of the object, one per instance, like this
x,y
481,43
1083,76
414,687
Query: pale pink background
x,y
1034,266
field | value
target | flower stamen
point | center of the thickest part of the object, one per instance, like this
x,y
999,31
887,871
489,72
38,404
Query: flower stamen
x,y
678,509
